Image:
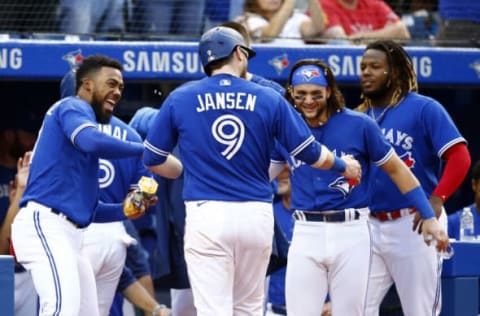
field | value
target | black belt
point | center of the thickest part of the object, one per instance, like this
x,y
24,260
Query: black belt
x,y
278,309
61,214
326,216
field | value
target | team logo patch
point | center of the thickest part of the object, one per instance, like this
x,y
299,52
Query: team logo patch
x,y
476,66
308,74
408,159
225,82
279,63
74,58
344,185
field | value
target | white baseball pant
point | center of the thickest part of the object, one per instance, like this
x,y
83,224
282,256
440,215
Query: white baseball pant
x,y
105,247
49,246
328,257
227,250
401,256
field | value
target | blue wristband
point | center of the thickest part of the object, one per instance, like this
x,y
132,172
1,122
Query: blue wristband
x,y
419,200
339,165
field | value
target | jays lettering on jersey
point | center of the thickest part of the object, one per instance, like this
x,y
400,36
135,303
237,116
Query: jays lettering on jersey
x,y
420,131
170,60
346,133
225,127
50,172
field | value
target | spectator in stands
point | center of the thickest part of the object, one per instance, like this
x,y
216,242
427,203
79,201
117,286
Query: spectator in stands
x,y
360,20
92,16
460,23
277,22
454,218
168,17
27,16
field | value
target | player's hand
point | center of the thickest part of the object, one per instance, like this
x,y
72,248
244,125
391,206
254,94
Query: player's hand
x,y
161,310
433,230
134,205
20,182
327,309
353,170
437,205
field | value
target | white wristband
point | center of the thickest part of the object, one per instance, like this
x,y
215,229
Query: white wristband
x,y
158,308
323,155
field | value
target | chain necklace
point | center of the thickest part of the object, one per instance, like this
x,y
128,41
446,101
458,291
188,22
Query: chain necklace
x,y
379,118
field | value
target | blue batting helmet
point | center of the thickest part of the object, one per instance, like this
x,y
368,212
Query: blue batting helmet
x,y
219,42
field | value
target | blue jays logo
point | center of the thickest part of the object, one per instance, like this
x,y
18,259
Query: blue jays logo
x,y
344,185
476,66
74,59
308,74
279,63
408,159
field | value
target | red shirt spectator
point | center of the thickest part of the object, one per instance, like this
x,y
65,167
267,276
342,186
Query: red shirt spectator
x,y
354,19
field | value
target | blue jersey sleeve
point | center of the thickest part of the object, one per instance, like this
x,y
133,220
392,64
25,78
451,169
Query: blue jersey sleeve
x,y
440,126
92,141
294,134
137,256
156,151
109,212
73,115
126,279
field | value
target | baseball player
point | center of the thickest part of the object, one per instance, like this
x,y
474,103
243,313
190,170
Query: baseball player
x,y
105,244
25,294
225,127
170,197
331,238
425,138
61,197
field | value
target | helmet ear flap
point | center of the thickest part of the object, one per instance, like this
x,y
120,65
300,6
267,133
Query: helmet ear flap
x,y
218,43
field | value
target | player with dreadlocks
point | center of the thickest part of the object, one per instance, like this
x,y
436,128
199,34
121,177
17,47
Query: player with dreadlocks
x,y
425,137
330,211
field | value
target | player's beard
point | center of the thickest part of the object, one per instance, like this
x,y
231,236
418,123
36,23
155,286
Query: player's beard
x,y
378,93
100,115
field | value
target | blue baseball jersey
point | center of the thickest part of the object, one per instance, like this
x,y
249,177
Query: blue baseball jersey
x,y
118,176
268,83
62,176
226,127
420,130
346,132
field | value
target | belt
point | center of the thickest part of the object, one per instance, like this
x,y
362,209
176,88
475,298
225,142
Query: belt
x,y
327,216
59,213
393,215
279,310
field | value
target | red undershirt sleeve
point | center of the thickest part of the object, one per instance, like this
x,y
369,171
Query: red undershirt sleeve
x,y
457,163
